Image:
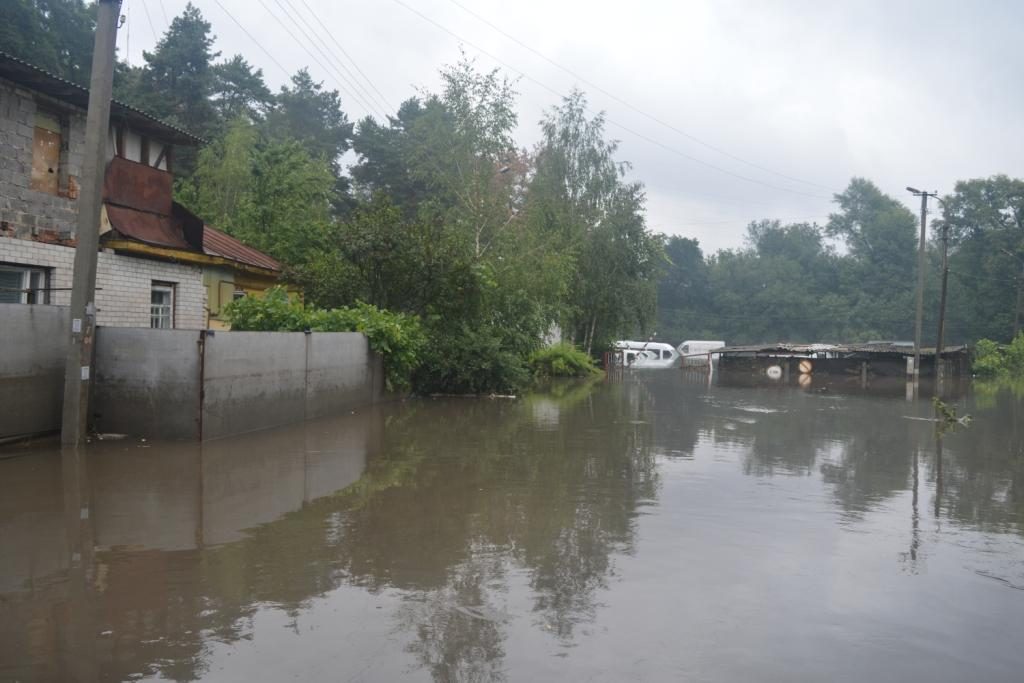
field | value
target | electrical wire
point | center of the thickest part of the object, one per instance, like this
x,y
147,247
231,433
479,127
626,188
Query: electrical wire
x,y
349,57
258,44
629,130
332,58
636,109
163,10
356,99
156,37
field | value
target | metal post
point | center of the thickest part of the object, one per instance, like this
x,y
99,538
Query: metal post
x,y
78,370
920,287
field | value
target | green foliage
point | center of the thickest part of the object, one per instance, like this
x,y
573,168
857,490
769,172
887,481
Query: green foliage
x,y
268,193
562,360
464,359
1000,361
56,35
397,337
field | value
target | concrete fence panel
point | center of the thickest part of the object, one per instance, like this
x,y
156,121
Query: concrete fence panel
x,y
340,373
147,382
35,341
253,380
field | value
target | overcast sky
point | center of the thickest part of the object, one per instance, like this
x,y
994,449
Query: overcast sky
x,y
771,106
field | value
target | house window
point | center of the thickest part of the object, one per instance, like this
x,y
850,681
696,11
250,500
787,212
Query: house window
x,y
238,294
161,308
46,143
24,285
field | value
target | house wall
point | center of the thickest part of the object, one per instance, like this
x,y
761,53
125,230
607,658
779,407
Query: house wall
x,y
123,283
25,212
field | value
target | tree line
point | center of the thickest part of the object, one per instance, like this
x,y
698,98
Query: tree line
x,y
854,278
436,213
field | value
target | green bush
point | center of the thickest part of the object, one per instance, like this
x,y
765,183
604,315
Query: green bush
x,y
397,337
463,359
562,360
999,360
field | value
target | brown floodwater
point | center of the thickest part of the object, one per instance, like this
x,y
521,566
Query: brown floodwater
x,y
645,528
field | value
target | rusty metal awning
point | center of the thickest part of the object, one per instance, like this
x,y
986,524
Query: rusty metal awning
x,y
150,228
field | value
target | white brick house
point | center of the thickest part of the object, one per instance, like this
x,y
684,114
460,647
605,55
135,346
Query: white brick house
x,y
153,251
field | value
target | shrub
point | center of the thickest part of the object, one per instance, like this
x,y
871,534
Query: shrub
x,y
397,337
464,359
562,360
999,360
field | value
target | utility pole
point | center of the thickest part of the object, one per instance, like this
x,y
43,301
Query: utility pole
x,y
942,305
920,279
78,369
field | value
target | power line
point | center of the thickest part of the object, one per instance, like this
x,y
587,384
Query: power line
x,y
354,63
149,19
358,100
623,102
332,58
635,133
163,11
258,44
355,97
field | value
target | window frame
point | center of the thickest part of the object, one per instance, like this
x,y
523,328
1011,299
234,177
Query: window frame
x,y
157,316
30,295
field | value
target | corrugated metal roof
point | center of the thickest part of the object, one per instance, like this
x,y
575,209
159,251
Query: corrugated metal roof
x,y
217,243
33,77
807,349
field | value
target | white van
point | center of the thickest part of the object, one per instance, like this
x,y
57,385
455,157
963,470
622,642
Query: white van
x,y
696,352
646,355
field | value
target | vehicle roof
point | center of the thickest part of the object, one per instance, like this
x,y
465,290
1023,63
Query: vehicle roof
x,y
640,346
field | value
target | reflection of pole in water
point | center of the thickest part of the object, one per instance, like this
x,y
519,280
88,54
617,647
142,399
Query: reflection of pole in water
x,y
80,659
938,472
915,535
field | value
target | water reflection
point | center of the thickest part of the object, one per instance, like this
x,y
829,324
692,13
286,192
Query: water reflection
x,y
578,533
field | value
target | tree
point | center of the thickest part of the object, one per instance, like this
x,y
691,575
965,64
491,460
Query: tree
x,y
176,84
580,199
239,90
985,217
55,35
313,116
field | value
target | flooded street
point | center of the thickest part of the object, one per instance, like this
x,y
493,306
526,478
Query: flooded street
x,y
648,528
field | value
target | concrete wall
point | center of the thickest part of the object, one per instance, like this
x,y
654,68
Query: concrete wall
x,y
35,342
253,380
340,373
123,283
147,382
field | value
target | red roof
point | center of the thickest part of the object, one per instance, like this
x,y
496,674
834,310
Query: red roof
x,y
217,243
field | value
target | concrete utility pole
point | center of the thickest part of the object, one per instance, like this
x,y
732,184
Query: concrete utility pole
x,y
78,369
920,279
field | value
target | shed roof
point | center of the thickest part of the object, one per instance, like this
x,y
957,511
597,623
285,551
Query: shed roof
x,y
218,243
34,78
807,349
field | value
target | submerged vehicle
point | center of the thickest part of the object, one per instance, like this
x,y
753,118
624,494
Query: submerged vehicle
x,y
645,355
697,352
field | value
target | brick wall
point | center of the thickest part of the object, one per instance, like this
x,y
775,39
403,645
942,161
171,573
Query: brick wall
x,y
123,283
27,212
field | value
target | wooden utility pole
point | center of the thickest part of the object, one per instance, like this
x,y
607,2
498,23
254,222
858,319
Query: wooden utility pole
x,y
78,369
939,338
920,279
